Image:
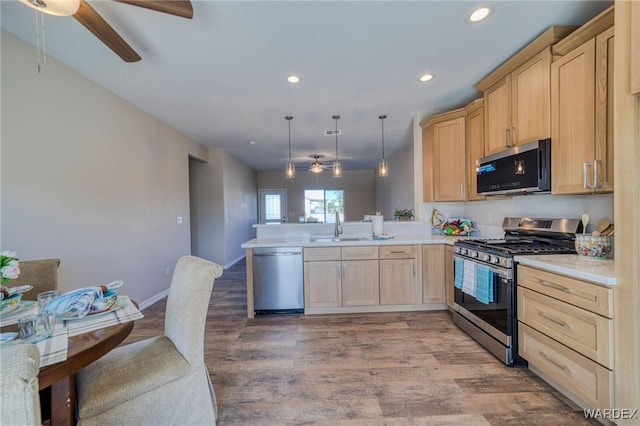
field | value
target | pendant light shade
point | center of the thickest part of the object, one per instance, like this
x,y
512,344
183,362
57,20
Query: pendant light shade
x,y
290,168
383,167
337,167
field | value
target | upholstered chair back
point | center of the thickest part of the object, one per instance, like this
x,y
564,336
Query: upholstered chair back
x,y
42,274
19,399
191,286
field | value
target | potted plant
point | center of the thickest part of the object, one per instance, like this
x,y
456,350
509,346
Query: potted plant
x,y
403,214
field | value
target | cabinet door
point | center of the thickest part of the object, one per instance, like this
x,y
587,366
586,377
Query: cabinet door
x,y
398,284
427,164
531,100
604,111
448,275
635,47
475,150
322,284
433,274
360,283
449,161
572,119
497,116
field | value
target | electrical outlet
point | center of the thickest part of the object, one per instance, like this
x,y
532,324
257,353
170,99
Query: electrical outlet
x,y
179,220
167,272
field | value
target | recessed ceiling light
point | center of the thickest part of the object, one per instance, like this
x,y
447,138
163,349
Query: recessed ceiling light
x,y
425,77
293,78
479,14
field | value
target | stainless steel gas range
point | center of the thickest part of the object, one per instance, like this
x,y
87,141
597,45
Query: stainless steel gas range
x,y
485,288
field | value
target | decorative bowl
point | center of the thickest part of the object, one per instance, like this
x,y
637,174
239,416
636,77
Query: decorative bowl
x,y
10,304
104,303
594,247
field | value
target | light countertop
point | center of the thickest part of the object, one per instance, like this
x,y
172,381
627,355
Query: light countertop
x,y
306,241
572,265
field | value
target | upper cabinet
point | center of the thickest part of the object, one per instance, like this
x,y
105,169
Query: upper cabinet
x,y
582,110
444,155
517,95
475,145
517,107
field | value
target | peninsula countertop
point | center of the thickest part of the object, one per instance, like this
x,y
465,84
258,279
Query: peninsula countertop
x,y
347,240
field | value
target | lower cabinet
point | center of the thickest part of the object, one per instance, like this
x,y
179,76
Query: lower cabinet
x,y
360,283
433,274
375,278
398,278
565,332
449,276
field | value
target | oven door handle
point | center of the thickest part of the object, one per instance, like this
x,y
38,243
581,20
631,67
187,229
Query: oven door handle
x,y
502,273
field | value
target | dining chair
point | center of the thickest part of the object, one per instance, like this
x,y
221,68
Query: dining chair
x,y
19,399
161,380
42,274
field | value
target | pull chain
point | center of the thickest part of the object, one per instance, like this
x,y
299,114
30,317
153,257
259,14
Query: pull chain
x,y
41,48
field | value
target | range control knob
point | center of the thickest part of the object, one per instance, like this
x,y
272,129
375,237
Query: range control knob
x,y
495,259
457,249
465,251
474,254
486,257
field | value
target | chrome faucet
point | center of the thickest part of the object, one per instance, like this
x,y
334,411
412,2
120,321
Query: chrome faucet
x,y
337,231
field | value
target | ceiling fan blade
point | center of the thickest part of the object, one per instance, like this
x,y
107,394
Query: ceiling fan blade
x,y
88,17
182,8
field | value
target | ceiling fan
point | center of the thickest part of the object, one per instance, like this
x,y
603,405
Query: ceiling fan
x,y
88,17
316,166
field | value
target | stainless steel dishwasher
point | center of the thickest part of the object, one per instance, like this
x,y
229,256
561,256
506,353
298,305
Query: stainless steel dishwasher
x,y
278,280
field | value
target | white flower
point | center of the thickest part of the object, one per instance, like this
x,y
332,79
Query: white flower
x,y
9,253
10,271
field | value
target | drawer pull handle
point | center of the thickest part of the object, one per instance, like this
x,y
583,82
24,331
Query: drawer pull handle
x,y
560,366
555,286
554,320
398,252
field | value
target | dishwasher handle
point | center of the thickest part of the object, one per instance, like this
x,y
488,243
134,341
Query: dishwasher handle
x,y
281,253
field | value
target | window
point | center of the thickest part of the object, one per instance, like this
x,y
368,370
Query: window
x,y
320,205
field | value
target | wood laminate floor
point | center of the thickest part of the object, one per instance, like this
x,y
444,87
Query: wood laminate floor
x,y
412,368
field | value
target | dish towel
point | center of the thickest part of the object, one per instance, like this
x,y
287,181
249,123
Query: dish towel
x,y
55,348
484,284
469,278
74,304
127,313
458,272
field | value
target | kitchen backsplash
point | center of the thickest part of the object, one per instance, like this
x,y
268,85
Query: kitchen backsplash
x,y
487,215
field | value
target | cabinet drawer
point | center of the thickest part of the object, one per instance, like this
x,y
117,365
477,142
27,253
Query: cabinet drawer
x,y
585,295
359,252
583,331
575,373
397,252
321,253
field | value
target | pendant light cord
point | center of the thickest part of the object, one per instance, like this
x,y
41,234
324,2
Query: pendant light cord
x,y
382,117
289,118
336,118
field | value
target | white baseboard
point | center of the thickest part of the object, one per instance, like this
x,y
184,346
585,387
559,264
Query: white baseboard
x,y
154,299
234,261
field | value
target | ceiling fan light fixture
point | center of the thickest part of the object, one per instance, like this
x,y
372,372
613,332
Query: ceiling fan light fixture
x,y
54,7
290,168
316,166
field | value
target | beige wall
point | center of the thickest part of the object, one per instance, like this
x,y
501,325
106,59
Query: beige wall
x,y
89,178
359,187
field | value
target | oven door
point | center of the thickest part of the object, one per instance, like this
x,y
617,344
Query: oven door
x,y
496,318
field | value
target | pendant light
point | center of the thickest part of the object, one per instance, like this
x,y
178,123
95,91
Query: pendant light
x,y
290,169
383,167
337,167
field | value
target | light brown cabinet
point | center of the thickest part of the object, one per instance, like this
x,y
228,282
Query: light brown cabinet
x,y
517,107
582,117
635,47
566,334
433,274
475,146
322,277
398,279
449,275
360,276
444,156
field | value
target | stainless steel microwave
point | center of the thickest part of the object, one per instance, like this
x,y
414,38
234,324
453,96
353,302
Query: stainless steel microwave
x,y
519,170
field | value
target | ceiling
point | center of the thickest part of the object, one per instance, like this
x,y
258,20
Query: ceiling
x,y
220,78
